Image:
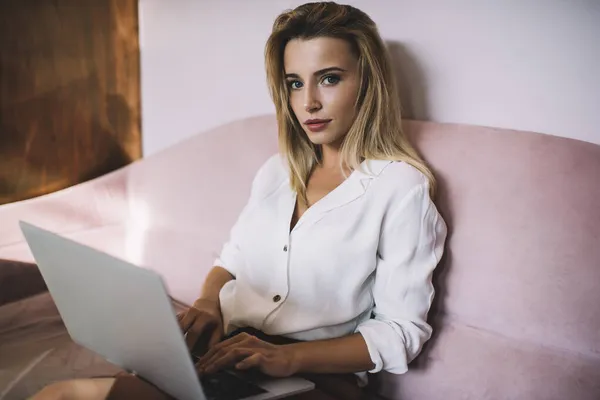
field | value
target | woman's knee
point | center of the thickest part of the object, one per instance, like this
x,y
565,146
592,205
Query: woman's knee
x,y
54,391
84,389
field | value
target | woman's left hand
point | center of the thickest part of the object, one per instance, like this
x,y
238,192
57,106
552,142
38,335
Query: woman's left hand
x,y
245,351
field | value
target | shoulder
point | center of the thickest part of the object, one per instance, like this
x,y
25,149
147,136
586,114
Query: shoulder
x,y
396,179
270,176
403,191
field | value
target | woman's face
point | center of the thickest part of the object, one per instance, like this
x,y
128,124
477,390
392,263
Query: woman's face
x,y
323,78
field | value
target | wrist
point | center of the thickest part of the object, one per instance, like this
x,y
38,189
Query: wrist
x,y
296,357
207,301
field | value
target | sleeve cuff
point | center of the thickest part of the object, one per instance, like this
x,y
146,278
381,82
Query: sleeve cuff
x,y
366,330
219,263
380,337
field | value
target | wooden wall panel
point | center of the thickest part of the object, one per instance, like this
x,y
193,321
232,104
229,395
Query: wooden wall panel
x,y
69,92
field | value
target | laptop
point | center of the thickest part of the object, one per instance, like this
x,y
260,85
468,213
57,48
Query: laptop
x,y
123,313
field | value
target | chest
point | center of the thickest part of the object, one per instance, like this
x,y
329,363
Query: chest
x,y
335,239
320,184
333,243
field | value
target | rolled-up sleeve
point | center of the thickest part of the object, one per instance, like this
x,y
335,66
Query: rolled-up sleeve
x,y
266,178
230,256
410,247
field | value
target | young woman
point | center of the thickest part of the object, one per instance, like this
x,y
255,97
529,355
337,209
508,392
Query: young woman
x,y
337,244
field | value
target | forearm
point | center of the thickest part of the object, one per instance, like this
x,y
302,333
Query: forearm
x,y
214,282
342,355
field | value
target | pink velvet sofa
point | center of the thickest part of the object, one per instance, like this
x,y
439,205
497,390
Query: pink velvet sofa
x,y
517,310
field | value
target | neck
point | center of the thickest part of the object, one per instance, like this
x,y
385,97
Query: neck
x,y
330,156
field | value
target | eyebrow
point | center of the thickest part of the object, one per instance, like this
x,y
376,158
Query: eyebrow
x,y
318,73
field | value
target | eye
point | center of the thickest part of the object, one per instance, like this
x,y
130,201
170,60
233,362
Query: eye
x,y
295,84
330,80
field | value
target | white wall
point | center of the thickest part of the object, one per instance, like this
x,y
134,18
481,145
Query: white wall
x,y
522,64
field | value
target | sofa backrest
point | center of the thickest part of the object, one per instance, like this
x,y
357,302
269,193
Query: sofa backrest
x,y
523,255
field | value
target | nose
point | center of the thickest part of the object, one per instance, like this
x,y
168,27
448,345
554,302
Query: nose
x,y
311,101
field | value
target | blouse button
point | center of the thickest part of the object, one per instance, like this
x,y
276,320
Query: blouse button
x,y
285,248
276,298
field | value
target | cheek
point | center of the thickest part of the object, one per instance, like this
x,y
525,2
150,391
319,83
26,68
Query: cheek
x,y
341,102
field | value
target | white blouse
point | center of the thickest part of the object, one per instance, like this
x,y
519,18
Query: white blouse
x,y
358,260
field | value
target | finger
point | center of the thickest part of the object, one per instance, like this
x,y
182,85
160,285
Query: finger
x,y
199,325
216,336
221,347
217,353
254,361
180,320
218,350
179,317
187,319
201,345
228,359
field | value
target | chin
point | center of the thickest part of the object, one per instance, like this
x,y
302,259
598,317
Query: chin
x,y
321,138
318,141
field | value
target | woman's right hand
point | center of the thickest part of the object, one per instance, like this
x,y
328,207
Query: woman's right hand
x,y
202,325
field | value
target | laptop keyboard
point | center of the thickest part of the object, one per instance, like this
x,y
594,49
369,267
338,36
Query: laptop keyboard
x,y
223,385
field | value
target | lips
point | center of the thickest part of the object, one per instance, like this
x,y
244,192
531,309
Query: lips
x,y
316,125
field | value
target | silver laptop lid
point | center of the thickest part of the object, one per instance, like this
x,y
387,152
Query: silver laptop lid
x,y
116,309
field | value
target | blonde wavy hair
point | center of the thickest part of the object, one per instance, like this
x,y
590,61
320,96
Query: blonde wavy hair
x,y
376,132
